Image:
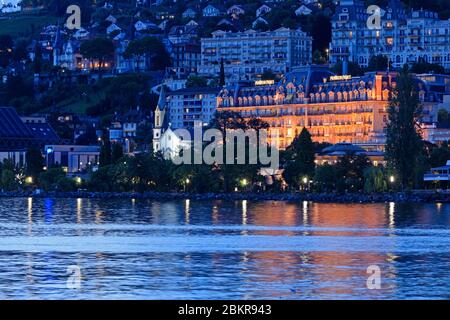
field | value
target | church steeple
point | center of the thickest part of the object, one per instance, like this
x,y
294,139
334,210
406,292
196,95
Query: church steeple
x,y
160,114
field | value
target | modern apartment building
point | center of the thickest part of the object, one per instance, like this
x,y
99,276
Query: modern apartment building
x,y
405,36
246,55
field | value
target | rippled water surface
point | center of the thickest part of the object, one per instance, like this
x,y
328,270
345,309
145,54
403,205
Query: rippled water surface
x,y
138,249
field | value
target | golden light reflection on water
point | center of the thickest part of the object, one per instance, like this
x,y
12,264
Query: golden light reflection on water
x,y
326,272
187,208
79,210
328,267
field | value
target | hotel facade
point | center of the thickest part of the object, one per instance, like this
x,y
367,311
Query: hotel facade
x,y
404,36
335,109
247,55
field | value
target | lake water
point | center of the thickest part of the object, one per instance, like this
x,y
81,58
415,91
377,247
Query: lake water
x,y
138,249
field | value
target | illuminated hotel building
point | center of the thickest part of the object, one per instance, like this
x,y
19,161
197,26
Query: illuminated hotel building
x,y
334,109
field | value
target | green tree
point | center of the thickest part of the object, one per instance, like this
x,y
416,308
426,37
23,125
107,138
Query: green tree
x,y
117,152
152,50
378,63
268,75
34,162
325,178
422,66
375,180
8,180
443,115
196,82
98,49
6,50
105,152
222,73
49,179
403,141
440,155
302,159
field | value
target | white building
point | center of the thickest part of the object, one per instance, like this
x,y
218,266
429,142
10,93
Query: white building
x,y
405,36
72,158
191,107
247,55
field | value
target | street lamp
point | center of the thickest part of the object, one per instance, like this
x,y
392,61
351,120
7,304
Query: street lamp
x,y
391,179
29,180
78,180
305,180
186,182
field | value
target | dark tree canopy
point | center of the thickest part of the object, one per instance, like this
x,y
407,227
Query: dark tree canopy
x,y
403,143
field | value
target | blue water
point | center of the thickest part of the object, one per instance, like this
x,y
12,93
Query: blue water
x,y
138,249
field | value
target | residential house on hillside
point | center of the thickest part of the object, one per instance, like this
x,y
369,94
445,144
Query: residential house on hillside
x,y
189,13
211,11
81,34
126,64
192,23
124,128
68,55
186,56
181,34
145,26
235,11
264,9
225,23
111,19
113,27
303,11
258,22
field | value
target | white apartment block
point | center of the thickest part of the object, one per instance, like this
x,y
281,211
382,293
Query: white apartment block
x,y
405,36
191,107
248,54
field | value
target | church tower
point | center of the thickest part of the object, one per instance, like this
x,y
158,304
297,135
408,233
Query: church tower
x,y
160,113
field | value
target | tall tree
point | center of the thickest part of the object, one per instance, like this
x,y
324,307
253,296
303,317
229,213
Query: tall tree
x,y
105,152
404,141
152,50
98,49
35,162
222,73
117,152
301,163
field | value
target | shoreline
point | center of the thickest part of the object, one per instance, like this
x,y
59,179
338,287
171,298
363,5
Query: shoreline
x,y
414,197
